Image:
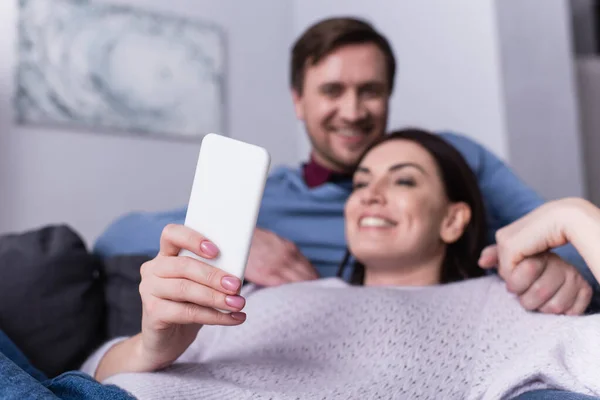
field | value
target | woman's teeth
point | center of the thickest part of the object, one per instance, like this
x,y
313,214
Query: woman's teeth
x,y
375,222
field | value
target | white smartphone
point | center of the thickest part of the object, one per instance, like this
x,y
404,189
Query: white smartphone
x,y
225,200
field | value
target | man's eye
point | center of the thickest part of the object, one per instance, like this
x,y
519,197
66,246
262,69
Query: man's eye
x,y
332,90
372,92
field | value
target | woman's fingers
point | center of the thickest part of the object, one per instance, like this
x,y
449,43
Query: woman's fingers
x,y
187,291
178,313
489,257
175,238
193,270
182,290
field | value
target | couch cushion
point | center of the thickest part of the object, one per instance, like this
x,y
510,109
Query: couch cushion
x,y
123,302
52,303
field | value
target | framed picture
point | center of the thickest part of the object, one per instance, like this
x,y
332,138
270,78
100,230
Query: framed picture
x,y
118,69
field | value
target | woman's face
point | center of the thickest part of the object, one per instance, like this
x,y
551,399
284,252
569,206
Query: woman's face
x,y
399,212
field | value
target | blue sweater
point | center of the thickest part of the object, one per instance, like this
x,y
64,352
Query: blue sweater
x,y
313,218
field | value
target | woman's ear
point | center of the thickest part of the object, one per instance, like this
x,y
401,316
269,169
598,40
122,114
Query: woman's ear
x,y
457,219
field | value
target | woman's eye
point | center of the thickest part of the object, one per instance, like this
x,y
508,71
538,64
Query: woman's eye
x,y
358,185
405,182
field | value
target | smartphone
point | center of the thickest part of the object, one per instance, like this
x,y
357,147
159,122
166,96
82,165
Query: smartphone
x,y
225,199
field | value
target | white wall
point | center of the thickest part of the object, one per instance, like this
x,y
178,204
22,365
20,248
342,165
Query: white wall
x,y
86,179
460,67
448,73
540,95
588,73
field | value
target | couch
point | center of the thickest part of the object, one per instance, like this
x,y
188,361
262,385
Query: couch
x,y
59,302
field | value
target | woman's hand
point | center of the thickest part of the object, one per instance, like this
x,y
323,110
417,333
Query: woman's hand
x,y
179,295
528,239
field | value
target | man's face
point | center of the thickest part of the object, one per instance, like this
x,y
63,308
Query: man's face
x,y
344,104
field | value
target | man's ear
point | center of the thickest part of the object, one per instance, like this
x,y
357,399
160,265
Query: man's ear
x,y
457,219
298,104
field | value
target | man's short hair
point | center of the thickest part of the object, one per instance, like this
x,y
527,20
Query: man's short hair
x,y
326,36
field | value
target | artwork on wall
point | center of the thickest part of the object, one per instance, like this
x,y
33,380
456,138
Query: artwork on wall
x,y
113,68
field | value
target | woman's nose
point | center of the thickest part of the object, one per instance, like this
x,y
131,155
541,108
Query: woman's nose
x,y
373,195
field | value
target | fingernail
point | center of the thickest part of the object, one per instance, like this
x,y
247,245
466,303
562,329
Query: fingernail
x,y
230,283
235,301
209,248
240,316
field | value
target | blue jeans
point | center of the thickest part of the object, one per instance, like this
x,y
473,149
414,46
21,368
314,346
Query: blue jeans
x,y
550,394
20,380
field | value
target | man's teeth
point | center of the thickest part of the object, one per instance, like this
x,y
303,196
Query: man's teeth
x,y
348,133
375,222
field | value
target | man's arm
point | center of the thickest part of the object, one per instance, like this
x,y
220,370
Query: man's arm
x,y
507,197
137,233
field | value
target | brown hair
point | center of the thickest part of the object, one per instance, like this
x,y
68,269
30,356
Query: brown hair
x,y
460,185
326,36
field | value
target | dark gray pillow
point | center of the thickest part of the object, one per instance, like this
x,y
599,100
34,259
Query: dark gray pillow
x,y
123,302
51,297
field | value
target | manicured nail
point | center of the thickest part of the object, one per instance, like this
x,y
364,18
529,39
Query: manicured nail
x,y
230,283
235,301
240,316
209,248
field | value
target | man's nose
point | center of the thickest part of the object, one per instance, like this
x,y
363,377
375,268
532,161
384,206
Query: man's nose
x,y
352,108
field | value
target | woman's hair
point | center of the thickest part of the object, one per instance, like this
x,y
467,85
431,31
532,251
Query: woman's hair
x,y
460,185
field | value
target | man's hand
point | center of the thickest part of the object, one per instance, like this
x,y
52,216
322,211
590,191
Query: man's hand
x,y
274,261
543,282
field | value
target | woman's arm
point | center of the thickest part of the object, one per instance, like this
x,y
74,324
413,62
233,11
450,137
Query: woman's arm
x,y
554,224
124,356
179,295
583,231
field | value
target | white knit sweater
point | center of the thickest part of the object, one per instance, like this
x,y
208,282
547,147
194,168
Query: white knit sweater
x,y
328,340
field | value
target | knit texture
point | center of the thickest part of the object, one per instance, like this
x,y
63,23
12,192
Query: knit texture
x,y
328,340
